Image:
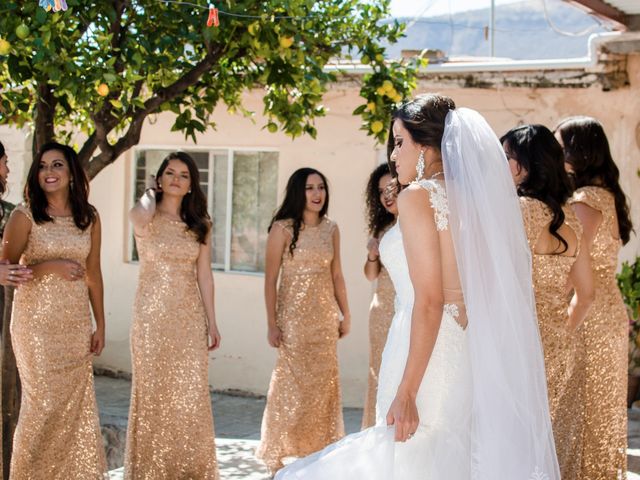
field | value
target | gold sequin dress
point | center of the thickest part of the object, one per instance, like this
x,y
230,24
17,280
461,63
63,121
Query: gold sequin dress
x,y
380,316
303,412
170,434
58,433
550,276
601,357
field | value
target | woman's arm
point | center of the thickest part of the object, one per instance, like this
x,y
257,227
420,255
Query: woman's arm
x,y
96,288
207,291
339,286
16,236
142,212
276,244
581,277
422,247
14,242
581,274
372,266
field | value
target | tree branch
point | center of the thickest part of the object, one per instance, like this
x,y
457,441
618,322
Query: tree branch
x,y
44,117
109,153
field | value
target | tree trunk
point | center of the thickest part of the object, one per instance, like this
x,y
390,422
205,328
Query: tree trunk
x,y
10,383
44,116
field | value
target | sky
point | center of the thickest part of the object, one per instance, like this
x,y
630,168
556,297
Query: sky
x,y
422,8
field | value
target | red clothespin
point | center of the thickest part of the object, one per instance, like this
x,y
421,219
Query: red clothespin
x,y
213,19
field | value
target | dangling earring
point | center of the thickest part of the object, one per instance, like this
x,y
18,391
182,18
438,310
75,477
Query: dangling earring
x,y
189,192
420,166
71,183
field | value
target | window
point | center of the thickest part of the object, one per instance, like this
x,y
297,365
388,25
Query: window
x,y
241,190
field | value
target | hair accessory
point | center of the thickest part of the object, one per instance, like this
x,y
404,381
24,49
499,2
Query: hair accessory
x,y
420,165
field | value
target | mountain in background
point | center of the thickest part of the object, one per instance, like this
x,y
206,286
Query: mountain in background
x,y
522,32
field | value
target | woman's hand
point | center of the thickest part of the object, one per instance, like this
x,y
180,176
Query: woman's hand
x,y
151,183
14,275
97,341
214,337
373,252
345,326
68,269
403,413
274,335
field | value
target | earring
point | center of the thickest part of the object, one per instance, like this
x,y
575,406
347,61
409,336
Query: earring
x,y
420,166
189,191
71,183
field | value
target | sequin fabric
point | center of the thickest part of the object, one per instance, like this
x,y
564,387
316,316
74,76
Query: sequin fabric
x,y
380,316
170,434
550,276
303,412
58,434
601,357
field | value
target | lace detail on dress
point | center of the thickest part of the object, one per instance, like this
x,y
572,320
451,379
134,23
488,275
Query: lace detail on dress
x,y
439,203
538,475
452,310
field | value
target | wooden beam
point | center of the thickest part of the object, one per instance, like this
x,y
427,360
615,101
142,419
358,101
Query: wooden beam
x,y
603,10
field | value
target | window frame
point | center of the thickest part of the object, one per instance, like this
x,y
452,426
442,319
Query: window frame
x,y
211,150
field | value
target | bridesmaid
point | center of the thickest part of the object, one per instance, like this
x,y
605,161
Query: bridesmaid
x,y
170,434
601,362
57,234
303,412
559,257
382,212
10,275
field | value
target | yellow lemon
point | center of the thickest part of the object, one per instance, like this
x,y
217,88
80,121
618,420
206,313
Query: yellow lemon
x,y
365,60
380,91
371,106
272,127
4,47
379,58
103,89
286,42
377,126
387,85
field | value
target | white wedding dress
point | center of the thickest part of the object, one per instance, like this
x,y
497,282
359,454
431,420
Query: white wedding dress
x,y
482,403
440,448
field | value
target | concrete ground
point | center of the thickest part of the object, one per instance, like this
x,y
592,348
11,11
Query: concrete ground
x,y
237,420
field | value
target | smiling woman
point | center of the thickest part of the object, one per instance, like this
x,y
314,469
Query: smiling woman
x,y
57,235
304,411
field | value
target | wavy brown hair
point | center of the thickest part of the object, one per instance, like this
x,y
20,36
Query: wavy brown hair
x,y
378,218
193,209
295,200
586,149
535,149
84,214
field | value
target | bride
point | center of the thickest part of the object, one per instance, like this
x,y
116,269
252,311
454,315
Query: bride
x,y
462,392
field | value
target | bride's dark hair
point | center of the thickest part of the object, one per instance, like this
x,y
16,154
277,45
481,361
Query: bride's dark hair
x,y
423,117
537,151
586,149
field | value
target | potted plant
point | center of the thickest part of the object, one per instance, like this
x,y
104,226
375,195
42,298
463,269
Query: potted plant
x,y
629,283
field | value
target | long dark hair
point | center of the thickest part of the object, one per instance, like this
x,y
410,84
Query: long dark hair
x,y
423,117
295,199
378,218
586,149
536,150
193,209
3,187
84,214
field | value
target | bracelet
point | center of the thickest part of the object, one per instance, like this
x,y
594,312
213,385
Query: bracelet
x,y
374,260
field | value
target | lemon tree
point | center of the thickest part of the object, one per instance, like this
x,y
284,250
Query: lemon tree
x,y
101,68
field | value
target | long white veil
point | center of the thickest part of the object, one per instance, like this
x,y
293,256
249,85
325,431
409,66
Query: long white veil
x,y
511,429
